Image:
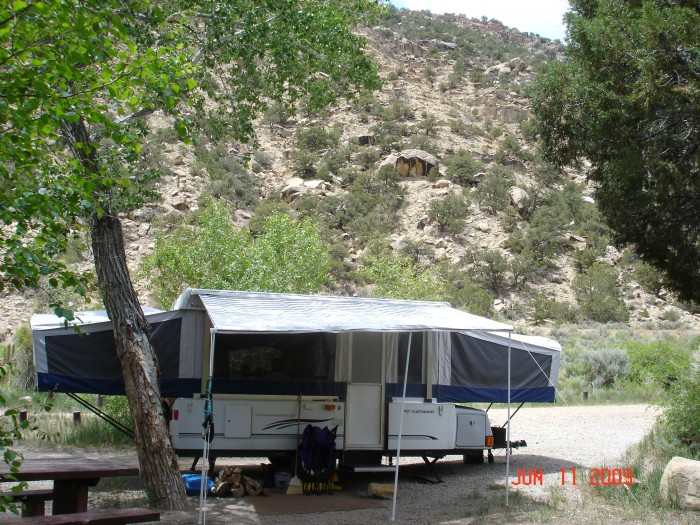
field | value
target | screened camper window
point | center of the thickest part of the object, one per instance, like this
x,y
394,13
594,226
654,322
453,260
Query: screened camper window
x,y
415,363
366,357
282,357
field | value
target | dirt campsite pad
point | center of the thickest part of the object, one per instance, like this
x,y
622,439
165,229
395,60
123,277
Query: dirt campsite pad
x,y
558,437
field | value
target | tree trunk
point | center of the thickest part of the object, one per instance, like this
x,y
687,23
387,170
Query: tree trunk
x,y
157,460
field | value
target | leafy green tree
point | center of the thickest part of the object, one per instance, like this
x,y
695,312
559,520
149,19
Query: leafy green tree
x,y
286,256
598,295
682,414
397,277
450,212
658,361
78,80
492,270
627,99
462,167
493,193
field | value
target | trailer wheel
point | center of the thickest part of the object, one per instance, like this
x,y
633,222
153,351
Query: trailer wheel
x,y
473,457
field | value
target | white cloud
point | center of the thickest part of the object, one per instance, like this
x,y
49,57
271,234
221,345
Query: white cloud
x,y
543,17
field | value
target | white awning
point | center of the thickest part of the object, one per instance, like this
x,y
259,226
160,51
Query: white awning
x,y
232,311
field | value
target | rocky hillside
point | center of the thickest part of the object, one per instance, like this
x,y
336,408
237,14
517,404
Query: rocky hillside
x,y
453,120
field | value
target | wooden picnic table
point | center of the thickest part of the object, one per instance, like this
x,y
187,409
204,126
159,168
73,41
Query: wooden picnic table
x,y
71,478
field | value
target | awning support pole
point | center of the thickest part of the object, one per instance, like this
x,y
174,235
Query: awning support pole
x,y
508,425
398,443
208,436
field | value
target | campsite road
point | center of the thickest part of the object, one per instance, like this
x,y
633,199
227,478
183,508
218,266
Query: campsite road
x,y
558,437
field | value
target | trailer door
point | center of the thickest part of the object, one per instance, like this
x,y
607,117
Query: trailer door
x,y
365,394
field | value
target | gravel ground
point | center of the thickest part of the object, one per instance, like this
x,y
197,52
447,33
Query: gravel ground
x,y
558,437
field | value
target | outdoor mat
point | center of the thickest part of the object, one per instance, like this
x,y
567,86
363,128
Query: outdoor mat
x,y
281,503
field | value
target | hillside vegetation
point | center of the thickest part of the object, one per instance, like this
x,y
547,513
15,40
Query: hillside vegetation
x,y
488,226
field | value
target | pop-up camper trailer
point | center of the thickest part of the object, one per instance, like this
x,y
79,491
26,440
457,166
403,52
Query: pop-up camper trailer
x,y
275,359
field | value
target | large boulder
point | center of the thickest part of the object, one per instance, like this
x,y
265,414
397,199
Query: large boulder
x,y
412,162
680,483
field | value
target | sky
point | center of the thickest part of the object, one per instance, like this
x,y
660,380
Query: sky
x,y
542,17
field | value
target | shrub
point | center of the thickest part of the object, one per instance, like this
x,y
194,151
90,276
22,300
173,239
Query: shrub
x,y
450,212
315,138
462,167
656,361
229,179
544,309
22,360
367,157
598,295
428,123
304,163
493,193
510,148
464,293
604,367
492,269
649,277
584,259
682,415
420,252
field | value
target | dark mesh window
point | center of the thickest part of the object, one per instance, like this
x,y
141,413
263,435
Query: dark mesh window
x,y
415,364
275,356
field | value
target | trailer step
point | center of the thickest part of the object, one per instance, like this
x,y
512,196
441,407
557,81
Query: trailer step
x,y
368,468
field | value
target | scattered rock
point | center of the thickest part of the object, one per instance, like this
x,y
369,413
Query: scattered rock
x,y
680,483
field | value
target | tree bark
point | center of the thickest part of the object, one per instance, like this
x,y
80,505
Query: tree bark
x,y
157,459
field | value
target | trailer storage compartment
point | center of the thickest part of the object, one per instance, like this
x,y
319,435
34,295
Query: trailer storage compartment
x,y
426,426
473,429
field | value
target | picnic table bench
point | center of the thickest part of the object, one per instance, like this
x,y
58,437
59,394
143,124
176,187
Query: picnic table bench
x,y
94,517
71,477
33,500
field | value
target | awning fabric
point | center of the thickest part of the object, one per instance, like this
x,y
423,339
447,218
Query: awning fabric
x,y
263,312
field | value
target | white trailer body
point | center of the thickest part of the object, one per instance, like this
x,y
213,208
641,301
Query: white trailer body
x,y
262,427
351,359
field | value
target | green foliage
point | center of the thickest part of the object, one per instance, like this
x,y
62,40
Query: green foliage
x,y
450,212
209,253
493,193
463,129
316,138
649,277
657,361
428,123
93,85
277,113
549,309
682,409
510,148
420,252
118,408
229,179
368,211
390,134
304,163
13,430
602,368
632,67
584,259
462,167
397,277
598,295
21,360
492,271
398,111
